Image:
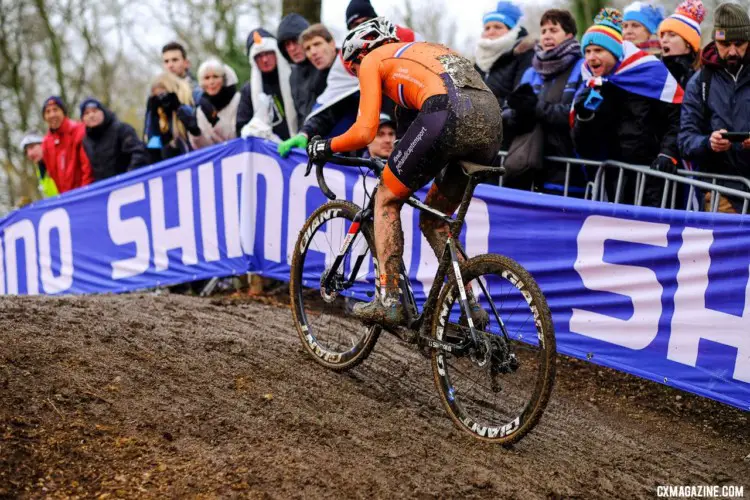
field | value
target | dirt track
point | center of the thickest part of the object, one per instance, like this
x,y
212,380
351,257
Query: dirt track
x,y
143,396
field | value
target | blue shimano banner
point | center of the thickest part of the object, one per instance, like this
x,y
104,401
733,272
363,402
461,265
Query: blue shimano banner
x,y
658,293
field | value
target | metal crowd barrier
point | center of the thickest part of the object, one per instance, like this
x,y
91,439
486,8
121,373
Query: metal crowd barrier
x,y
596,188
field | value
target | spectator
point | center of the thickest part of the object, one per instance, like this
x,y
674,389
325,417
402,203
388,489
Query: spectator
x,y
31,144
385,139
113,147
505,50
320,52
335,110
718,100
306,81
680,38
640,23
215,120
63,153
167,137
175,60
628,108
359,11
543,100
269,75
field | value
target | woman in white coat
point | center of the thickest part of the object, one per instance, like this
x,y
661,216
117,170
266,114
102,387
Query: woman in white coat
x,y
216,114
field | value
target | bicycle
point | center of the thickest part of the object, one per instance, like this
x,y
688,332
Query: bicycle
x,y
326,275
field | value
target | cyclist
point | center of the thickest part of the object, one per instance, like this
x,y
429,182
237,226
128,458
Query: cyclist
x,y
459,118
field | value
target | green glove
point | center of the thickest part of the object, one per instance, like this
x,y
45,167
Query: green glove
x,y
298,141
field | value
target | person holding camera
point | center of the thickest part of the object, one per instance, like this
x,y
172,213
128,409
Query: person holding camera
x,y
215,118
715,121
166,135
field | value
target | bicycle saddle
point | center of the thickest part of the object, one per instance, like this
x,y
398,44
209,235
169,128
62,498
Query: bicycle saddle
x,y
472,168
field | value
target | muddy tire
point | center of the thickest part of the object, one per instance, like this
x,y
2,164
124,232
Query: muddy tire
x,y
333,338
486,395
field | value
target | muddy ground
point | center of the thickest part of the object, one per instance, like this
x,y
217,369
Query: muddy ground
x,y
169,396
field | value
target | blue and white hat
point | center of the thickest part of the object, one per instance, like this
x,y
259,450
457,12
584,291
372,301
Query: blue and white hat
x,y
507,13
648,15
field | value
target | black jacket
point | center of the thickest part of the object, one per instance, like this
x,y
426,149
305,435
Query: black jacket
x,y
272,88
334,120
554,116
113,148
505,74
306,81
628,128
307,84
681,67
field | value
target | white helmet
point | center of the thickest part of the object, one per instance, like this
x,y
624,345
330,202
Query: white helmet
x,y
366,37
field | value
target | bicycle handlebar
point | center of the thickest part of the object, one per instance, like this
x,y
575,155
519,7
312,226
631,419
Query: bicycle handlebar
x,y
350,161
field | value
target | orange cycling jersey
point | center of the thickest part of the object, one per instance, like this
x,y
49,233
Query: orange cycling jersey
x,y
408,73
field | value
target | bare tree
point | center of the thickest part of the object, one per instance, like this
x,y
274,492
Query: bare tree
x,y
71,48
217,28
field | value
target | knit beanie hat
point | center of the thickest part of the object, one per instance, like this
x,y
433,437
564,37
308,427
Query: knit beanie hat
x,y
646,14
686,22
507,13
606,32
731,23
91,103
357,9
57,102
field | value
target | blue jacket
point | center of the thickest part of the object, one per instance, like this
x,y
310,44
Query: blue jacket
x,y
727,107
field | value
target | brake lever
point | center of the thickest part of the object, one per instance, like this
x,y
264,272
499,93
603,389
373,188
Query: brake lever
x,y
309,167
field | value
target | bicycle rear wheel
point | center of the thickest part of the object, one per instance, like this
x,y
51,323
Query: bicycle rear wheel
x,y
333,338
498,391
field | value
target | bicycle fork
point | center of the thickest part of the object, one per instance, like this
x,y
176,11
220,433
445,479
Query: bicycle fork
x,y
351,235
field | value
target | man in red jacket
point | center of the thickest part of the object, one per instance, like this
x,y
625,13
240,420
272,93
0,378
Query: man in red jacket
x,y
64,155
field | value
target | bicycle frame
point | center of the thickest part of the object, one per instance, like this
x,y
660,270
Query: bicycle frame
x,y
421,323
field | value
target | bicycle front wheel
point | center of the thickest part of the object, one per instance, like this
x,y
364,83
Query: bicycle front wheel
x,y
323,286
498,389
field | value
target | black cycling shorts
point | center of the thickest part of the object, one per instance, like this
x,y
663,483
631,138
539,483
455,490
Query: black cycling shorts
x,y
464,124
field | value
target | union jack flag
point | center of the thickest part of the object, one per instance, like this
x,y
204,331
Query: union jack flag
x,y
640,73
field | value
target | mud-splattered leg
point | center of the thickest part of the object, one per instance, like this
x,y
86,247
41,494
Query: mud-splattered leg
x,y
389,240
445,195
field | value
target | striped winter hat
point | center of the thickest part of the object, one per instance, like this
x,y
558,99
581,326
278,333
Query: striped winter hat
x,y
606,32
686,22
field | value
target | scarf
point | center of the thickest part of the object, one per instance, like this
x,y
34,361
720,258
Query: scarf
x,y
639,73
651,46
488,51
550,63
223,98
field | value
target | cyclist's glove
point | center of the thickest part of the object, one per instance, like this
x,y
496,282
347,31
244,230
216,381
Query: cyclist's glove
x,y
319,149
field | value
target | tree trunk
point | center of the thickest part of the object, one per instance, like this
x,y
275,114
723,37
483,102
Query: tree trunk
x,y
585,11
309,9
